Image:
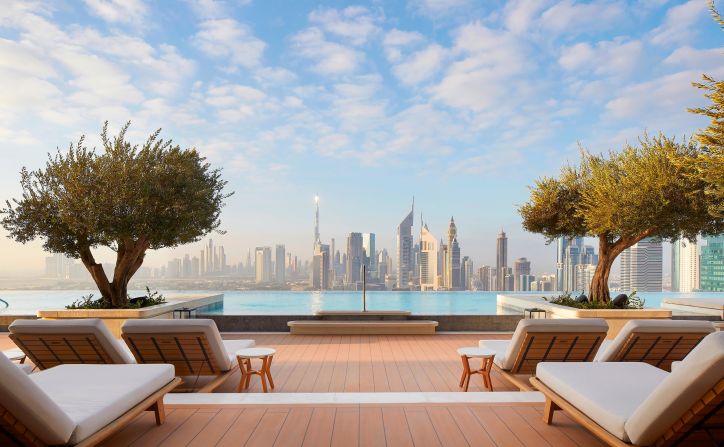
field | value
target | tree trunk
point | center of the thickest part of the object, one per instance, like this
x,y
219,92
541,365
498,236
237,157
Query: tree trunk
x,y
129,259
599,282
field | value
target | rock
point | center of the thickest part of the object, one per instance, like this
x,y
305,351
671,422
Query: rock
x,y
620,301
582,298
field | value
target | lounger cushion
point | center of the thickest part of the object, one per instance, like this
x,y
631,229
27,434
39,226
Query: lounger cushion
x,y
93,396
608,352
24,367
93,326
700,371
208,327
541,325
606,392
32,406
499,346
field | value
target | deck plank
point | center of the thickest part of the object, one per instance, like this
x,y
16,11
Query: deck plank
x,y
346,428
421,429
295,427
321,425
372,432
397,432
268,428
216,428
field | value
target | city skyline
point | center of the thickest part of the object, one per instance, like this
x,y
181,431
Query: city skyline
x,y
460,104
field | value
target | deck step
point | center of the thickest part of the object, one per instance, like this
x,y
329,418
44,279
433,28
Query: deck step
x,y
362,327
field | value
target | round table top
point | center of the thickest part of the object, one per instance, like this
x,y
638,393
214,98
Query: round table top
x,y
255,353
475,352
14,354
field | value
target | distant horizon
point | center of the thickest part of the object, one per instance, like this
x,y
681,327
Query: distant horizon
x,y
460,104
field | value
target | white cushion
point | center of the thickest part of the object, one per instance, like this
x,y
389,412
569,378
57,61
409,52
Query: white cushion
x,y
607,392
234,345
93,396
24,367
499,346
32,406
91,326
203,325
651,326
700,371
544,325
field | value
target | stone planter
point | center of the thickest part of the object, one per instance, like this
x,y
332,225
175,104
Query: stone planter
x,y
114,318
615,318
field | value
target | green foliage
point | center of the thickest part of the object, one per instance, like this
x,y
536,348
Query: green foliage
x,y
129,198
710,166
87,302
641,189
634,302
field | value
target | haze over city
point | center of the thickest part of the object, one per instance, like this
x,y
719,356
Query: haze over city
x,y
459,104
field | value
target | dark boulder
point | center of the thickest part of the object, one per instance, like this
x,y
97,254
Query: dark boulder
x,y
582,298
620,301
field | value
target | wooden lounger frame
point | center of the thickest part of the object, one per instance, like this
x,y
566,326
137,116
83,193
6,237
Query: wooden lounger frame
x,y
49,350
658,349
15,429
188,352
551,347
701,425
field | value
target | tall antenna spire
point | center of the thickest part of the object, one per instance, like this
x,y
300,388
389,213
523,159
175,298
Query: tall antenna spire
x,y
316,220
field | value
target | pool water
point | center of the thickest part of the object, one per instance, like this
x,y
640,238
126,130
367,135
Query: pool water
x,y
26,302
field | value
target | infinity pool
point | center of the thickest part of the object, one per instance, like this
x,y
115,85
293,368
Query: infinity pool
x,y
23,302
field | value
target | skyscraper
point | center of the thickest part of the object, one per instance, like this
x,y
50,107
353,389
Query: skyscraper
x,y
684,266
466,273
280,264
521,267
320,268
370,254
405,253
501,260
355,258
263,264
712,264
428,259
641,266
452,263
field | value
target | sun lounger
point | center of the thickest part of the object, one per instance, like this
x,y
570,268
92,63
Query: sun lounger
x,y
657,342
634,403
77,404
49,343
556,340
193,346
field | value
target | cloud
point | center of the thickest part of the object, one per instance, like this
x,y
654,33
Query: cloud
x,y
420,66
355,23
330,58
483,73
436,8
118,11
236,102
679,23
568,16
231,41
519,15
396,40
703,59
615,58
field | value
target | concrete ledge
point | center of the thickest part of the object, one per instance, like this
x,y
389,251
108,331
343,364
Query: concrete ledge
x,y
6,320
448,323
365,327
378,314
711,307
114,318
615,318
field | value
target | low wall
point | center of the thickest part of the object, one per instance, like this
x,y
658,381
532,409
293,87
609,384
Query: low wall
x,y
447,323
6,320
114,318
615,318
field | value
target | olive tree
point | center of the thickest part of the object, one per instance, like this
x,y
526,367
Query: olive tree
x,y
620,198
130,198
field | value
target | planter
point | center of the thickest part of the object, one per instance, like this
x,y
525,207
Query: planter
x,y
114,318
615,318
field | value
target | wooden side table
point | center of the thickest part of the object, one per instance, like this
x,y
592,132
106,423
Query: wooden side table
x,y
15,355
244,356
486,355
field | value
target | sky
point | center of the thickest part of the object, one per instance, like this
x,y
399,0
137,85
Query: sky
x,y
461,104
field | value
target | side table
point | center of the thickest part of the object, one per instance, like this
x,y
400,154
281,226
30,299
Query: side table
x,y
486,355
244,356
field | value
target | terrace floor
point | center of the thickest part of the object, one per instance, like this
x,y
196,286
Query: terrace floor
x,y
418,364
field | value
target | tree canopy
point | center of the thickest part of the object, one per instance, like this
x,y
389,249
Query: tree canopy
x,y
129,198
647,190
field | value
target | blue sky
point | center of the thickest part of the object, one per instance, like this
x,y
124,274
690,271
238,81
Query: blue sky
x,y
459,103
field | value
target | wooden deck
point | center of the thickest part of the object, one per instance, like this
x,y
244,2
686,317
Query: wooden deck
x,y
512,425
361,363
